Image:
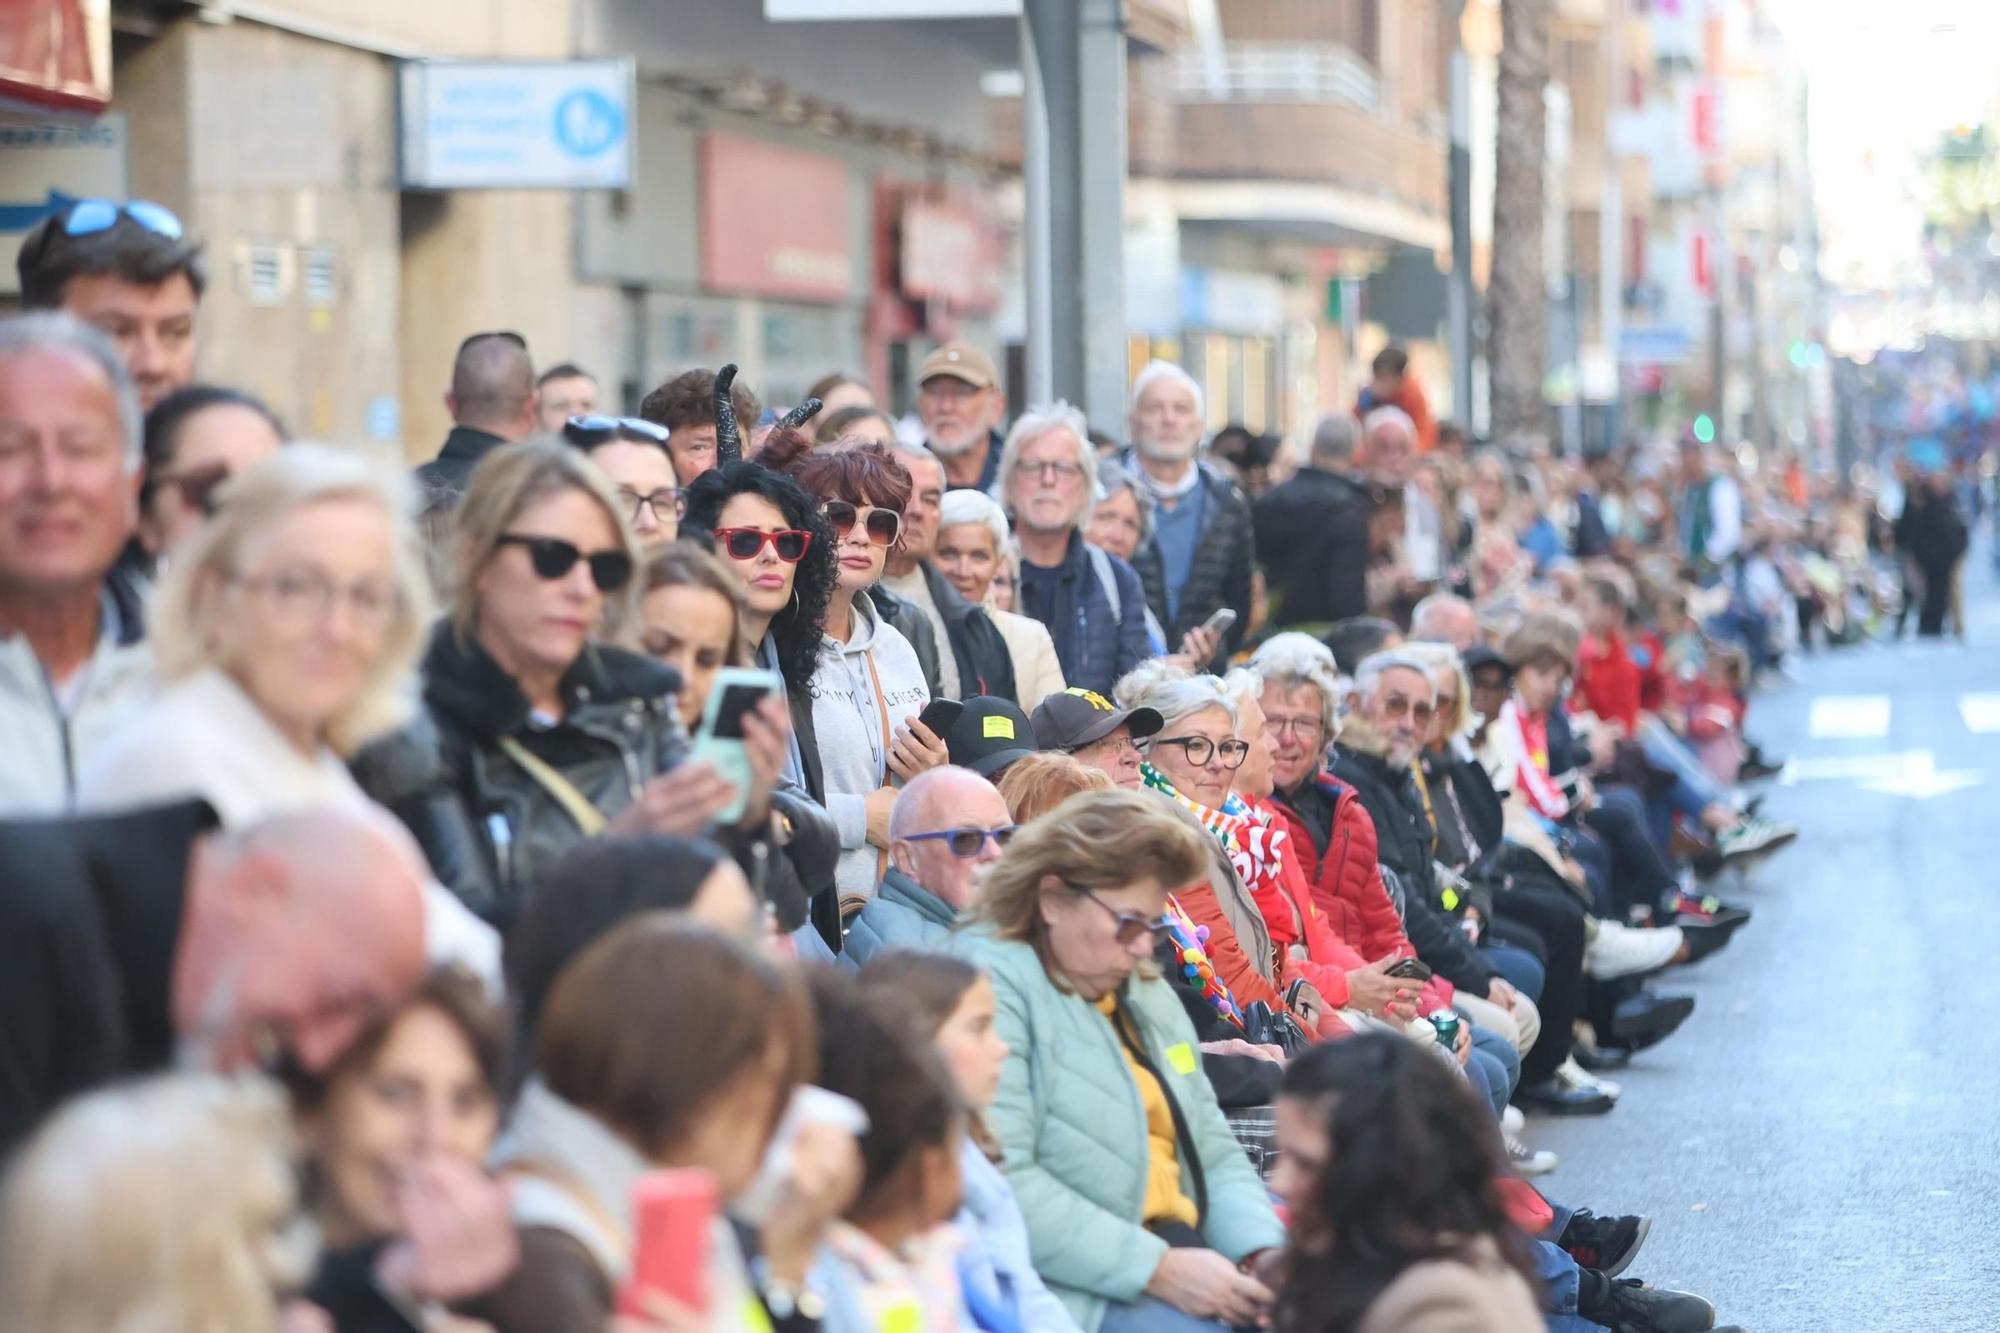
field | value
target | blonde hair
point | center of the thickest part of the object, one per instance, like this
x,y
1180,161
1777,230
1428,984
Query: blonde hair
x,y
160,1205
683,564
1093,840
507,481
188,633
1458,696
1038,783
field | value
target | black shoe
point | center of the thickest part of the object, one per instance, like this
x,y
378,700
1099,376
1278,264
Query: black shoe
x,y
1599,1059
1647,1019
1608,1244
1756,770
1630,1306
1702,939
1556,1097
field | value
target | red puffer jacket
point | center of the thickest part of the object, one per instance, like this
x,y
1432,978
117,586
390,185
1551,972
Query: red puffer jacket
x,y
1347,885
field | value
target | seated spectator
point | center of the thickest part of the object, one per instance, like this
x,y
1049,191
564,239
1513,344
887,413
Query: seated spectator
x,y
891,1257
533,737
1042,782
95,1221
972,540
989,735
1359,637
73,659
398,1131
663,1045
948,825
1393,1230
692,619
951,1003
685,405
196,439
1443,617
632,454
1098,732
222,949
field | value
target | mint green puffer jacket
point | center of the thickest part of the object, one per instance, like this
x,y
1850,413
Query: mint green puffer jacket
x,y
1073,1132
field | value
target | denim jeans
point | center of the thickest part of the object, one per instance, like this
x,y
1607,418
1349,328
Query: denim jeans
x,y
1557,1273
1493,1067
1151,1316
1670,752
1517,967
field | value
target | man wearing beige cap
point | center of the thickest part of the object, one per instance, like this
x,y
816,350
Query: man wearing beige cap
x,y
961,405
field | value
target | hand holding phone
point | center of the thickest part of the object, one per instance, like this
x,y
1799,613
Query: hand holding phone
x,y
719,740
1411,969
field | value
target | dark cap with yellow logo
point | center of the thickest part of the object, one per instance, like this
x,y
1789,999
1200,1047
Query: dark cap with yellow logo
x,y
989,735
1073,718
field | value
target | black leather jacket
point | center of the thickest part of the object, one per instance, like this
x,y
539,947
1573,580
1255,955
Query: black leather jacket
x,y
489,828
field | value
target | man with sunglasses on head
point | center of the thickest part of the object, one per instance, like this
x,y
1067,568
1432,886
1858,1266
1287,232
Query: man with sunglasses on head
x,y
492,401
129,270
947,825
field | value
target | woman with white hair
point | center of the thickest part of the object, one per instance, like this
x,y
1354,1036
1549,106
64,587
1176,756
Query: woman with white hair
x,y
970,550
166,1204
1090,600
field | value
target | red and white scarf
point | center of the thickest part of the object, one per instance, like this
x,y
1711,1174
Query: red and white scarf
x,y
1529,739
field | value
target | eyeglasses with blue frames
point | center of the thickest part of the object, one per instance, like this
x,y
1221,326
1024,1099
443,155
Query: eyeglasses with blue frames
x,y
87,217
965,843
1131,927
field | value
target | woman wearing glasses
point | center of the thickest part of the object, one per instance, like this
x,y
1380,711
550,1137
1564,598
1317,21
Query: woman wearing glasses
x,y
632,453
1142,1210
868,685
196,439
535,737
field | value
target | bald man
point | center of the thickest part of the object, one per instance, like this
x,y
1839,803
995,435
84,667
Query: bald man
x,y
1445,618
493,401
133,941
945,827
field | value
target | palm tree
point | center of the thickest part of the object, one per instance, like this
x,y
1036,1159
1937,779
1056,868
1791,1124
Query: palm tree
x,y
1516,291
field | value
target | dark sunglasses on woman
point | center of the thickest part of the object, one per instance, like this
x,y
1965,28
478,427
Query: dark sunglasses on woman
x,y
745,543
587,432
553,557
1131,928
197,486
965,843
884,525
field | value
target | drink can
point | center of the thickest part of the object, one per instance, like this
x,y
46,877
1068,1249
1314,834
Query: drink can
x,y
1446,1023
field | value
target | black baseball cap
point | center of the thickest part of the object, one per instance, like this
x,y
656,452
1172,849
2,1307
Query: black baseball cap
x,y
1483,655
989,735
1073,718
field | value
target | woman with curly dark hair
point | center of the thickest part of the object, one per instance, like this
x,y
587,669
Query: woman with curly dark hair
x,y
1389,1169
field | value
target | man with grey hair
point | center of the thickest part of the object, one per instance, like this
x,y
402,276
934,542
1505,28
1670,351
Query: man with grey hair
x,y
73,660
493,401
1312,534
1090,600
946,826
1200,556
1444,617
966,653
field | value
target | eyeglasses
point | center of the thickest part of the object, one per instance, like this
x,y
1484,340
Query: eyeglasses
x,y
667,502
302,597
553,558
197,486
1416,709
1305,728
587,432
1200,749
87,217
745,543
1131,926
883,525
965,843
1051,471
1119,743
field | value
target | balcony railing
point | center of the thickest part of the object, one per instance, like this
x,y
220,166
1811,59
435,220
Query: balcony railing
x,y
1319,72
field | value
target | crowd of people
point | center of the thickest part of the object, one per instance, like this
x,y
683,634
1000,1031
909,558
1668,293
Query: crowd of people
x,y
738,868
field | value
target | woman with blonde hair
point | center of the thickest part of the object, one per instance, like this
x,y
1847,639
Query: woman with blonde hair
x,y
1037,784
535,735
1135,1222
95,1221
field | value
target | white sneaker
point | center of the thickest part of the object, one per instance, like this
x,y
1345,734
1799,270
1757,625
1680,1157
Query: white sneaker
x,y
1619,950
1528,1161
1512,1121
1574,1075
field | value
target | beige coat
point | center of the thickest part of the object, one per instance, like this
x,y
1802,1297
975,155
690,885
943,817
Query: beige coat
x,y
1448,1296
1037,673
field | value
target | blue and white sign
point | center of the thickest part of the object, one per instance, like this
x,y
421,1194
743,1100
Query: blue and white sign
x,y
516,124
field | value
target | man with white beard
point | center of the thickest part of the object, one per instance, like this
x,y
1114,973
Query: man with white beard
x,y
1200,557
961,405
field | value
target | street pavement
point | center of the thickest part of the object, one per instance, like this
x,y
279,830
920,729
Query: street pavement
x,y
1817,1145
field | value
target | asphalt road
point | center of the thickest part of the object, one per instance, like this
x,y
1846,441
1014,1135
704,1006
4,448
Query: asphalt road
x,y
1817,1145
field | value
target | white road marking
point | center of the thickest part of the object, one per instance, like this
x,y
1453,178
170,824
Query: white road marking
x,y
1856,767
1849,717
1980,711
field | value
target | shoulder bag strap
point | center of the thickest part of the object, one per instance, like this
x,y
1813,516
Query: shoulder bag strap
x,y
882,716
574,803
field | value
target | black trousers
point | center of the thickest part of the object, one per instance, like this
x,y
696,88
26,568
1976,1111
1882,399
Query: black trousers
x,y
1553,917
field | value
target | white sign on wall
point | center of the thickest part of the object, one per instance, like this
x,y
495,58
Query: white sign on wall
x,y
46,163
516,124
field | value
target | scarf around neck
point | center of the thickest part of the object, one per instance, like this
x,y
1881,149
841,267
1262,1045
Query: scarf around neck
x,y
1255,851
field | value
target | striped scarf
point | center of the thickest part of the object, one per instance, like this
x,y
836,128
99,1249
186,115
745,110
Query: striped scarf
x,y
1255,850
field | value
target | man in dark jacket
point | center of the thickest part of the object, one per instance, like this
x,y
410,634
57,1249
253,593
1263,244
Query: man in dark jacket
x,y
1199,558
1090,600
962,406
126,940
1312,534
492,401
971,657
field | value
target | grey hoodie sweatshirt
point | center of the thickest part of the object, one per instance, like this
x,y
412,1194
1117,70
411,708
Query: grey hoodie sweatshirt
x,y
853,757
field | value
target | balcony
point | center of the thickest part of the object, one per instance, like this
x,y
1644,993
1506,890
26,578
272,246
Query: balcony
x,y
1323,73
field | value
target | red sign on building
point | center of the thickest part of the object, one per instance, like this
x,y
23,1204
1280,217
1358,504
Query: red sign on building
x,y
55,55
774,221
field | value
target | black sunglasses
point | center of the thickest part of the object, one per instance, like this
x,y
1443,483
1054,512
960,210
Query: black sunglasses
x,y
587,432
883,525
745,543
553,557
1130,926
965,843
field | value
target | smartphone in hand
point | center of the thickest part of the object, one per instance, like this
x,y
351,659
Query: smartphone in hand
x,y
719,740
